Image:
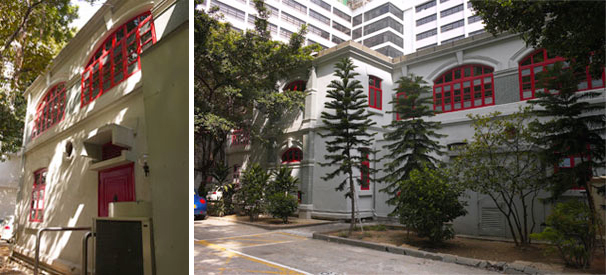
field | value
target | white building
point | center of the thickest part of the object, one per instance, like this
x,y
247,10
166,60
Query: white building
x,y
470,73
106,124
10,175
390,27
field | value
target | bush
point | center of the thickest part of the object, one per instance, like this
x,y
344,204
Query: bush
x,y
251,193
281,205
427,201
281,194
569,230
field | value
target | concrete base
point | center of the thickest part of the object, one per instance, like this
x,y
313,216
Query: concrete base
x,y
305,211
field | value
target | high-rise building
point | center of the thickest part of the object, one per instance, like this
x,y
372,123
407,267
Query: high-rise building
x,y
393,28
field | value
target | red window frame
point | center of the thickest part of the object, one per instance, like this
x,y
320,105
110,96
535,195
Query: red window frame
x,y
398,95
536,62
36,213
239,137
464,87
375,94
365,171
297,85
50,110
292,155
118,57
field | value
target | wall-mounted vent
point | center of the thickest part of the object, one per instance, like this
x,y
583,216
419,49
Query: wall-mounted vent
x,y
492,222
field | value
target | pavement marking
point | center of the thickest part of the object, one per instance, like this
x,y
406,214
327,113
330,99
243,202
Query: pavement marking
x,y
282,268
264,244
291,235
234,237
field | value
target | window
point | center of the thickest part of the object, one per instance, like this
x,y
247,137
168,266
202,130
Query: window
x,y
477,32
382,24
228,10
297,85
453,39
274,12
273,29
311,42
453,25
374,92
340,27
537,62
295,5
464,87
36,213
337,40
117,58
292,155
425,6
473,19
397,101
427,46
426,19
239,137
427,34
385,8
387,36
320,32
390,51
451,11
285,33
341,14
365,170
319,17
357,33
50,110
322,4
357,20
293,20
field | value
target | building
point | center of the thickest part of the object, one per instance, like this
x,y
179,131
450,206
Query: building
x,y
106,124
392,28
470,73
10,175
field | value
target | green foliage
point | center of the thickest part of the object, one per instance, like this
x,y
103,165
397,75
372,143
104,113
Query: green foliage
x,y
570,230
346,124
282,200
571,29
413,141
252,190
282,205
427,201
32,33
503,162
236,71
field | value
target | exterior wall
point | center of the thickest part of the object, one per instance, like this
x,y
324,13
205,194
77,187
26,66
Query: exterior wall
x,y
10,175
72,182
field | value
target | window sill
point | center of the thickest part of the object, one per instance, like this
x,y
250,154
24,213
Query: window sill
x,y
375,111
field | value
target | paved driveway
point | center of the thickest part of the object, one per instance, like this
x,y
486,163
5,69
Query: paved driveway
x,y
223,247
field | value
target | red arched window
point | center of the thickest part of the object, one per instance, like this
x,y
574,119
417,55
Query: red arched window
x,y
292,155
118,57
537,62
297,85
50,110
36,213
464,87
375,94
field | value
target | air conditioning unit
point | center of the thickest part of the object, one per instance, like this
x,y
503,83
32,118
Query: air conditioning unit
x,y
123,246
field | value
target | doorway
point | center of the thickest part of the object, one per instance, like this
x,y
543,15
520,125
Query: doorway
x,y
115,184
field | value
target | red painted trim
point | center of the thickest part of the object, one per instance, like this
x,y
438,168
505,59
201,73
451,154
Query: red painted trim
x,y
44,118
130,195
375,92
365,177
440,82
297,85
102,52
292,155
40,189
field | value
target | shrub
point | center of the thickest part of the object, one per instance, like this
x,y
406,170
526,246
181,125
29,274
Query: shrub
x,y
281,194
427,201
569,230
251,193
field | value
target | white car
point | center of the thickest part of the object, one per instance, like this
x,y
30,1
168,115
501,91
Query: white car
x,y
7,229
214,194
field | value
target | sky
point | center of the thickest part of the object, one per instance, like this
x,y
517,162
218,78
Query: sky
x,y
85,12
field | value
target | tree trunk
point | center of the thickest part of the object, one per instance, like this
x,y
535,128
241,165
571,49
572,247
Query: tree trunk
x,y
353,201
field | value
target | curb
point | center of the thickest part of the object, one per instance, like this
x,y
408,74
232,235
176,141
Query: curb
x,y
275,227
508,268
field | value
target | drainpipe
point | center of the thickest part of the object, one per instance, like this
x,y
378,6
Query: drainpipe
x,y
39,234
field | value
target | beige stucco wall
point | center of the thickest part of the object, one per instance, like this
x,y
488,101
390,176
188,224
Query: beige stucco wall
x,y
10,174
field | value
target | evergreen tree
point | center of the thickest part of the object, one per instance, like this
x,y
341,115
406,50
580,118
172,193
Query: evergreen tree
x,y
413,140
347,127
573,130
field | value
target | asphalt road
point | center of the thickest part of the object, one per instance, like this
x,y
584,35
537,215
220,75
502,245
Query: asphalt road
x,y
223,247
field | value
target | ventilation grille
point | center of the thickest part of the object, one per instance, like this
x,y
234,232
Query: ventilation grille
x,y
119,248
492,222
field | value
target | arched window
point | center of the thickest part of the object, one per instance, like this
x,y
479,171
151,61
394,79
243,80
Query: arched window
x,y
375,94
464,87
292,155
297,85
50,110
537,62
36,213
118,57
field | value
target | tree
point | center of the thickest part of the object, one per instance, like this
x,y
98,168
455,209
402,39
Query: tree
x,y
32,33
427,201
503,162
252,191
237,73
412,140
572,127
282,200
571,29
346,123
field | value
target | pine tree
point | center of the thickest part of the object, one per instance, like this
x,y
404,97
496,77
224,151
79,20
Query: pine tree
x,y
347,127
413,140
573,130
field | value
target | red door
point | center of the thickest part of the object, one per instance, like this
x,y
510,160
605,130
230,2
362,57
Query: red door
x,y
116,184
